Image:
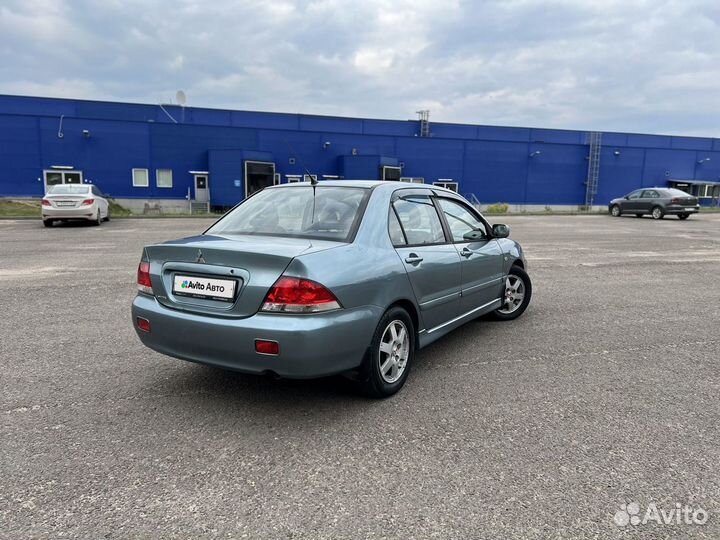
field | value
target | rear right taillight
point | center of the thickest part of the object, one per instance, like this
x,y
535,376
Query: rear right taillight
x,y
143,278
298,295
87,202
45,202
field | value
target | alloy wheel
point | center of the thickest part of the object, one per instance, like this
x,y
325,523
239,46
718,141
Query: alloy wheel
x,y
514,295
394,351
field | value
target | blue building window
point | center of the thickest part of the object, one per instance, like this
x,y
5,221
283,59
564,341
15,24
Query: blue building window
x,y
140,178
163,178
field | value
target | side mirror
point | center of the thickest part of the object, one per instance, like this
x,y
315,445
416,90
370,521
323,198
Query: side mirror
x,y
500,230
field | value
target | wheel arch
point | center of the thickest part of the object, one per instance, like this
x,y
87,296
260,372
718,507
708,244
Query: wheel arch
x,y
409,306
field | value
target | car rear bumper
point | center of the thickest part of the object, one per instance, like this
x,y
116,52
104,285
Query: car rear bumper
x,y
80,212
677,209
310,345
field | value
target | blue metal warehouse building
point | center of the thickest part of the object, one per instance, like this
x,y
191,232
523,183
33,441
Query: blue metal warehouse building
x,y
167,154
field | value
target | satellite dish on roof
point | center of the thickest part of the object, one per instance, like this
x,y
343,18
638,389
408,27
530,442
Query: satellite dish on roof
x,y
180,98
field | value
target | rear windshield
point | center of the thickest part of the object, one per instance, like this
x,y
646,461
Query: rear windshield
x,y
66,189
677,193
330,215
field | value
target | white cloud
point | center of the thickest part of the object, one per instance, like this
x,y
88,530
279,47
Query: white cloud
x,y
613,65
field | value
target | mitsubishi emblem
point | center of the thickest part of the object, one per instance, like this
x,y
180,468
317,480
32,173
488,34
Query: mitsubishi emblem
x,y
200,257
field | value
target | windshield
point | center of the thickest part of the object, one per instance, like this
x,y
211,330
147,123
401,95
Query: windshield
x,y
68,189
289,212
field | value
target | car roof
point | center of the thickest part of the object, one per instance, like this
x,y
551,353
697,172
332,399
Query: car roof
x,y
369,184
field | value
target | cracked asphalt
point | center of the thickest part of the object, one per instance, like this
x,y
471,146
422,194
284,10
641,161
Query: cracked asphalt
x,y
604,393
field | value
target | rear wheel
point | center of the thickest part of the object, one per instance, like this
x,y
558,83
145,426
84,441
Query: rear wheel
x,y
615,210
683,216
48,222
391,353
657,213
516,297
98,219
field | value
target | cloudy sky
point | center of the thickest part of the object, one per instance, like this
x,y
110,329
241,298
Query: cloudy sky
x,y
624,65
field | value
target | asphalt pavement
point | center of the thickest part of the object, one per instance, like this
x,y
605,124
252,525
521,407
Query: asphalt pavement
x,y
604,393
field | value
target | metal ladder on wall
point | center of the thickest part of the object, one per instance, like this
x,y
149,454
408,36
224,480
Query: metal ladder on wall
x,y
594,140
424,122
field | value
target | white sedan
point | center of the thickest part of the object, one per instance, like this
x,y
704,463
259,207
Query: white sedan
x,y
74,201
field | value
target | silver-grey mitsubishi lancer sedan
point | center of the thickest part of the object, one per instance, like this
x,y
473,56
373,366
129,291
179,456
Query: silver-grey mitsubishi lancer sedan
x,y
344,277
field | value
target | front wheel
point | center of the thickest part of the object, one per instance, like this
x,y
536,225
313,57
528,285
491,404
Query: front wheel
x,y
657,213
615,210
48,222
516,296
683,216
391,353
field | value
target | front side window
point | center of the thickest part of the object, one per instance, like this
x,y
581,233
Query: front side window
x,y
331,213
460,220
140,178
634,195
419,220
164,178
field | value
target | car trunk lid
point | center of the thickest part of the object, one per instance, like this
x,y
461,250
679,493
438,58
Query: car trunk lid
x,y
685,201
246,264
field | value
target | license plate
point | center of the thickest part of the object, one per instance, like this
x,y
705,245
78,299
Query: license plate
x,y
65,203
200,287
692,208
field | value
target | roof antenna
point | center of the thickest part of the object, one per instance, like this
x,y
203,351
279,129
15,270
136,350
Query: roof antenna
x,y
313,181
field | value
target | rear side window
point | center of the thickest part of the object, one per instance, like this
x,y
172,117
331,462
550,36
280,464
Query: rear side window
x,y
419,220
396,234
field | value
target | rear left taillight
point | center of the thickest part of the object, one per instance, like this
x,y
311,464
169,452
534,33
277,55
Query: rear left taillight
x,y
87,202
297,295
674,200
45,202
143,278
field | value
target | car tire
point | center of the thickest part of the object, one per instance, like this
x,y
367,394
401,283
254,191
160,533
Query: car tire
x,y
657,212
47,222
107,218
391,353
683,216
516,295
98,220
615,210
638,215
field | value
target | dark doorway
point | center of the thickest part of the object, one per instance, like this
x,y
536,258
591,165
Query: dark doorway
x,y
390,173
258,175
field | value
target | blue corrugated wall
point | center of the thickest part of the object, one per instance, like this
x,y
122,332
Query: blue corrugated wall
x,y
494,163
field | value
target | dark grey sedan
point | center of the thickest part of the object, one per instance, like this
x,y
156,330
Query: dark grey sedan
x,y
343,277
658,202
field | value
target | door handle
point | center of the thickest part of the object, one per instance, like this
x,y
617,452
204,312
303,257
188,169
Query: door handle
x,y
466,252
413,259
